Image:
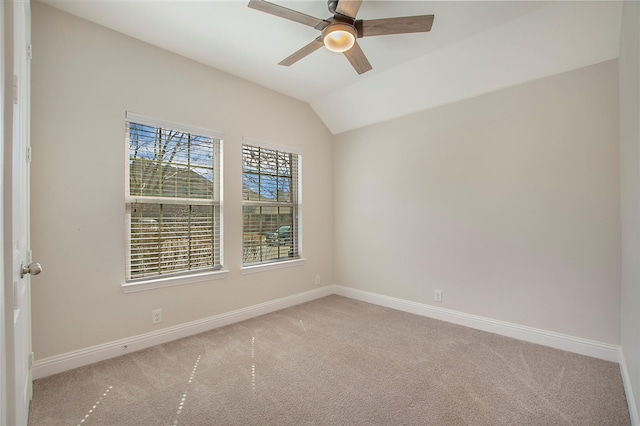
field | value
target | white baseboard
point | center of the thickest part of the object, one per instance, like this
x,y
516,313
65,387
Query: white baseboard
x,y
67,361
59,363
631,401
565,342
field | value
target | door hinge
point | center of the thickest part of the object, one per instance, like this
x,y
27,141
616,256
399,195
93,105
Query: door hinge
x,y
15,89
31,360
16,296
29,156
29,51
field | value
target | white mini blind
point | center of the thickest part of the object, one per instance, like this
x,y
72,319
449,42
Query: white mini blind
x,y
173,200
271,204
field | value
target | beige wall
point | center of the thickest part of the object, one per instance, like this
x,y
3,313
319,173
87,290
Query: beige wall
x,y
507,202
84,79
630,192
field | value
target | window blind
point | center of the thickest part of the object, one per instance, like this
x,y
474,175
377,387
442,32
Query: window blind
x,y
173,201
270,184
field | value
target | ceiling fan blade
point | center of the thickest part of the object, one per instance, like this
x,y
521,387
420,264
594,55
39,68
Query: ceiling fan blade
x,y
285,13
348,7
387,26
358,60
307,50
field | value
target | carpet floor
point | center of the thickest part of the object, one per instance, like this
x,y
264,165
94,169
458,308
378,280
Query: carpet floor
x,y
337,361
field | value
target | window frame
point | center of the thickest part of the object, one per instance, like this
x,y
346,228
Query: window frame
x,y
181,277
281,262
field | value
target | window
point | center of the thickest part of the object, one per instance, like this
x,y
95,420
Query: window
x,y
271,205
173,199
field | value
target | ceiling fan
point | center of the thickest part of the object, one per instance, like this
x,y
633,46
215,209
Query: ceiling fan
x,y
340,31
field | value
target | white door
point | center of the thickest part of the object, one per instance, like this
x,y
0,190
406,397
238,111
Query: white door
x,y
16,207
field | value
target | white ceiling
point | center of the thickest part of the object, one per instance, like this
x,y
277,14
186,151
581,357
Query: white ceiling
x,y
474,47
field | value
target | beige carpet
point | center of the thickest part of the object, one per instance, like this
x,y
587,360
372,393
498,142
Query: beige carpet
x,y
337,361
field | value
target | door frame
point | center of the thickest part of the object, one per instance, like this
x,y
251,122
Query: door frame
x,y
16,18
4,289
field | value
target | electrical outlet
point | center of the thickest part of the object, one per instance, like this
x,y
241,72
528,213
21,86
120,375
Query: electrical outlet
x,y
156,316
437,295
318,279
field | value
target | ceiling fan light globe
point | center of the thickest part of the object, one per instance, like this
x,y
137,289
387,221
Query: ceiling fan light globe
x,y
339,37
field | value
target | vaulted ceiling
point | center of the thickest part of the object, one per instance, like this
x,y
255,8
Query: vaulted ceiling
x,y
474,47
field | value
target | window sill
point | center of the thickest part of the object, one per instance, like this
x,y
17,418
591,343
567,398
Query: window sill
x,y
173,281
271,266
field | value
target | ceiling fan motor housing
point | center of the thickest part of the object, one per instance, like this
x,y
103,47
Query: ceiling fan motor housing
x,y
332,5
